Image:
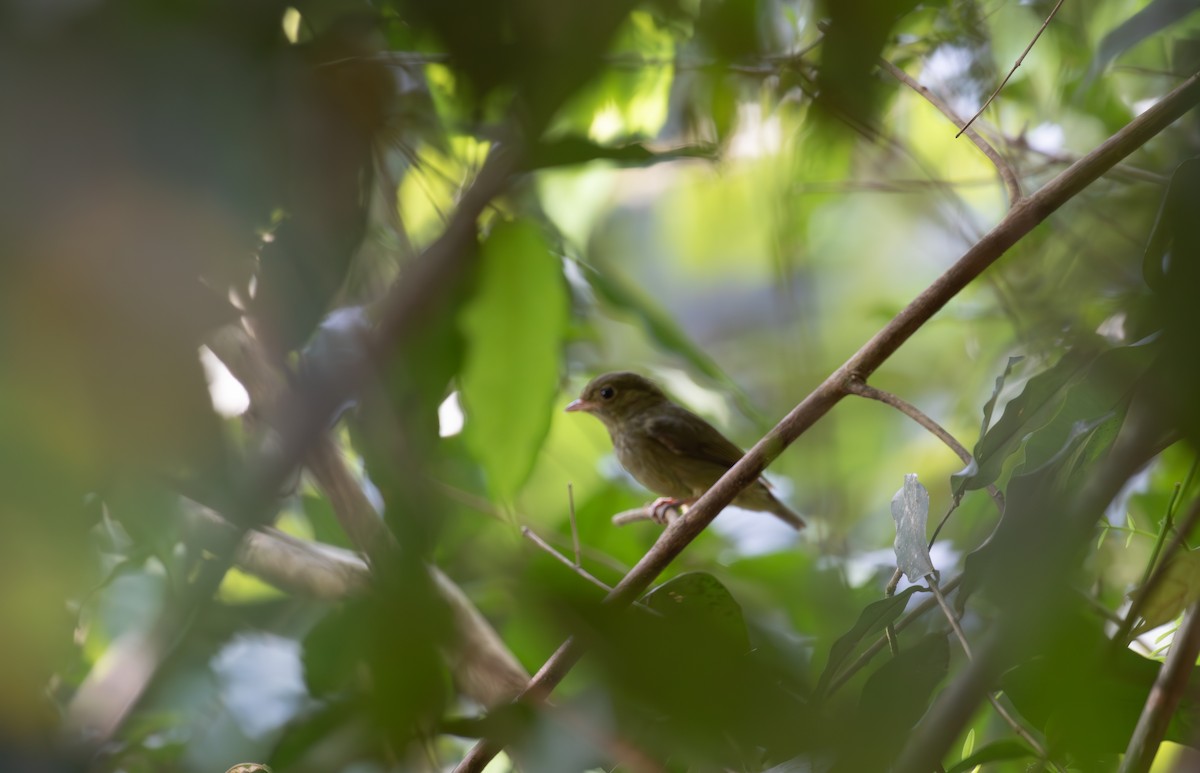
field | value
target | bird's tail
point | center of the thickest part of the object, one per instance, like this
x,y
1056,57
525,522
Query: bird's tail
x,y
786,514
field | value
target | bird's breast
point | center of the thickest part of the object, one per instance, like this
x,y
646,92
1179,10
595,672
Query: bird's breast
x,y
650,463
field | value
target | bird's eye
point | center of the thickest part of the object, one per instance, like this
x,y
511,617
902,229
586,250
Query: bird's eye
x,y
607,393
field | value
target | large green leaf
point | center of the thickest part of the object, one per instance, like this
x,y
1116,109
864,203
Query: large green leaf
x,y
892,701
1034,407
874,618
1087,695
514,329
993,752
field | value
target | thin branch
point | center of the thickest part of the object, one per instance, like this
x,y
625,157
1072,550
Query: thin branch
x,y
530,535
863,389
1008,718
1168,690
1020,59
644,514
1003,168
574,526
877,646
1020,220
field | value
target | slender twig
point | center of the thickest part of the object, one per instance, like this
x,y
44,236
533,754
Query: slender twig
x,y
574,527
1017,64
1020,220
877,646
646,513
1003,168
863,389
961,635
1164,697
1160,571
532,536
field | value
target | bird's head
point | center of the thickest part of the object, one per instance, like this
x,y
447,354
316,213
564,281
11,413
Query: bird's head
x,y
614,397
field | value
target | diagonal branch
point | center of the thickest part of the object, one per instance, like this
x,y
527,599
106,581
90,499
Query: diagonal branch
x,y
1019,221
1168,690
1017,64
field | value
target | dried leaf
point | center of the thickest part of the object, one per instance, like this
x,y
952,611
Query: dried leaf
x,y
910,510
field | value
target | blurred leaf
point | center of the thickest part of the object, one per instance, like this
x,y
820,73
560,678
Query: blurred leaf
x,y
664,672
1041,398
1103,390
1087,695
569,151
729,27
1032,528
700,597
892,701
997,751
854,38
514,328
1178,589
910,511
1155,17
337,104
873,619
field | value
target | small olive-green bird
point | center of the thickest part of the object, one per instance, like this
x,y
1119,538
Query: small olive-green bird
x,y
667,448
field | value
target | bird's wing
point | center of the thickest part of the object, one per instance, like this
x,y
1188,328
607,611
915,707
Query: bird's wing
x,y
686,434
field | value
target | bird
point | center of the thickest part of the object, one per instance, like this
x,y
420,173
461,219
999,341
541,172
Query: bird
x,y
667,448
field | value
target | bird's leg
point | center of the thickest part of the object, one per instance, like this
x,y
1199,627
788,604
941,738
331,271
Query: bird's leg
x,y
660,507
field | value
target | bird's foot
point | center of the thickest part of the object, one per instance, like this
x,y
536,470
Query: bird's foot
x,y
660,509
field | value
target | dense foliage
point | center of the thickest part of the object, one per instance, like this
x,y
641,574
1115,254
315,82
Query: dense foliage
x,y
292,296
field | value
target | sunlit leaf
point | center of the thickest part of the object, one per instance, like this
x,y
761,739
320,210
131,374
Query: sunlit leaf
x,y
997,751
514,328
1178,589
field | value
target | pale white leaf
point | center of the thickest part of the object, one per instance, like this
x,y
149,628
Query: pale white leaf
x,y
910,510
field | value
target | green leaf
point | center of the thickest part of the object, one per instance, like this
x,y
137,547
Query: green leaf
x,y
573,150
1102,390
972,468
997,751
1086,696
514,328
700,597
1038,402
892,701
874,618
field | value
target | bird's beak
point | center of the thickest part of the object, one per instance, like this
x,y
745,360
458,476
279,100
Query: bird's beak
x,y
578,405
